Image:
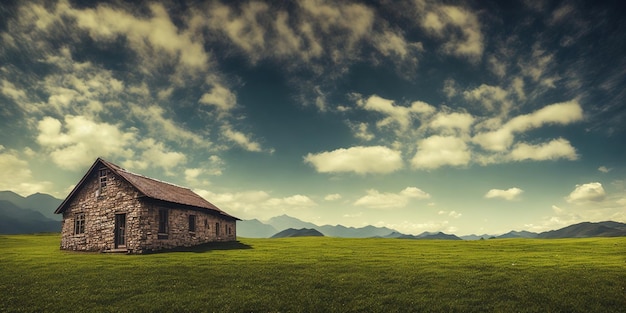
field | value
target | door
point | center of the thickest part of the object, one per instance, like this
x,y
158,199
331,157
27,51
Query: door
x,y
120,231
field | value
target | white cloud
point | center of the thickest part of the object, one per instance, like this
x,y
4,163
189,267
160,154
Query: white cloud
x,y
220,97
256,203
161,125
604,169
361,131
17,175
332,197
191,175
590,192
360,160
447,122
241,139
559,113
508,194
436,151
457,26
11,91
377,200
157,155
453,214
80,140
555,149
155,37
493,98
396,116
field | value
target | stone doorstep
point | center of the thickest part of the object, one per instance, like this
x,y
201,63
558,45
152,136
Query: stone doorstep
x,y
123,250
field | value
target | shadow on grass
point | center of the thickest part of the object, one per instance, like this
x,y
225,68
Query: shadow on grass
x,y
208,247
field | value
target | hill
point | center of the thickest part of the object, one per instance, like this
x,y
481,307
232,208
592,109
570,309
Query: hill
x,y
254,229
16,220
427,235
303,232
39,202
586,230
518,234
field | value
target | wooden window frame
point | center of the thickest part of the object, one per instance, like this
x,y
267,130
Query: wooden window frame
x,y
103,174
192,223
79,223
163,219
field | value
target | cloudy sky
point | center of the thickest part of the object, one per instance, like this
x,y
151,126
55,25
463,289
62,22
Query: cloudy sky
x,y
465,117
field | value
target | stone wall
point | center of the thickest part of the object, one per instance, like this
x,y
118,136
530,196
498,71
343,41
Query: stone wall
x,y
178,233
100,205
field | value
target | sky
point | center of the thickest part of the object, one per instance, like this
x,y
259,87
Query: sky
x,y
457,116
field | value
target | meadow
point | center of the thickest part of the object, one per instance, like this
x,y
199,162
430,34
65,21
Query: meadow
x,y
318,274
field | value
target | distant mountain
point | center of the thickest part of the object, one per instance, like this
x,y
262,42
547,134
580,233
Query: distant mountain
x,y
427,235
285,221
303,232
476,237
393,234
352,232
587,229
16,220
40,202
517,234
255,229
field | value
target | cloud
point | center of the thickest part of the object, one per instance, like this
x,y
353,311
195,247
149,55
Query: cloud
x,y
156,154
241,139
160,125
451,122
154,37
17,175
501,139
604,169
256,203
220,97
78,141
436,151
590,192
377,200
360,160
332,197
458,27
395,115
361,131
453,214
555,149
493,98
508,194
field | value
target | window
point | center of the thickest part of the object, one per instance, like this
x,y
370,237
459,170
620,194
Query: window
x,y
103,178
192,223
217,229
163,221
79,223
206,223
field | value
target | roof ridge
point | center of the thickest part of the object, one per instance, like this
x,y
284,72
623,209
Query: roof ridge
x,y
119,168
155,179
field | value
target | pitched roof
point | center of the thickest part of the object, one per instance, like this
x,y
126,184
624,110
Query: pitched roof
x,y
150,188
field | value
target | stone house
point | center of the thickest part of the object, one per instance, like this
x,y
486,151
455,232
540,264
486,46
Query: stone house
x,y
114,210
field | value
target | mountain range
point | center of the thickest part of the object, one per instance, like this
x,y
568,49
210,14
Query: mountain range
x,y
258,229
35,213
32,214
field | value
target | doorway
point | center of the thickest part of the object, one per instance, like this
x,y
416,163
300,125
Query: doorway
x,y
120,231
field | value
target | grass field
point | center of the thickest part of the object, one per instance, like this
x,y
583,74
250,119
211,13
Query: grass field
x,y
320,275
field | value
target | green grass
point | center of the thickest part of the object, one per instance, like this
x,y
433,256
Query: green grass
x,y
320,275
